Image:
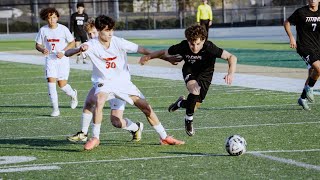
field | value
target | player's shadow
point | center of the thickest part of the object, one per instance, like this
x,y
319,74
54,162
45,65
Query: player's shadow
x,y
195,154
41,144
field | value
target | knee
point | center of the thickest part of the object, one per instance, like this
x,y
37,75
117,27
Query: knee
x,y
88,106
195,90
115,121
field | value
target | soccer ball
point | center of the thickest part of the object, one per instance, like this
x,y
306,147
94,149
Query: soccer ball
x,y
236,145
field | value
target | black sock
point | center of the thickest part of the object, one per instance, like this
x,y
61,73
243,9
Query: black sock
x,y
311,82
191,103
303,94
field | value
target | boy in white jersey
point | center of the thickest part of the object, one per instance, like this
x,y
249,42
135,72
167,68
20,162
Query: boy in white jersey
x,y
53,40
117,107
111,78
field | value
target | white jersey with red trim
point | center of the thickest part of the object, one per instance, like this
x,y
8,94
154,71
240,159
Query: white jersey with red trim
x,y
55,40
110,64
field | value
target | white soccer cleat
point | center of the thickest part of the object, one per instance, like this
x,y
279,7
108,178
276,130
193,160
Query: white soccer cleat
x,y
74,100
55,113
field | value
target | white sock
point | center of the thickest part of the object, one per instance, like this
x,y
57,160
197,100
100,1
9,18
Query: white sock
x,y
161,131
68,90
52,90
131,126
85,122
189,118
96,130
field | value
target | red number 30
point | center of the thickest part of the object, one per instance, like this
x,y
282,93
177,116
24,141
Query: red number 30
x,y
111,65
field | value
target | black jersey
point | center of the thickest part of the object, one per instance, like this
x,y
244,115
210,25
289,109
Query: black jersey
x,y
307,25
77,21
200,64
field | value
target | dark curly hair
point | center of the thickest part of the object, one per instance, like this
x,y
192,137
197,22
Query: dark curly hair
x,y
45,13
81,4
194,32
104,21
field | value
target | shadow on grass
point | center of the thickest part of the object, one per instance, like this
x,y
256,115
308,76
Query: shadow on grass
x,y
56,145
40,144
194,154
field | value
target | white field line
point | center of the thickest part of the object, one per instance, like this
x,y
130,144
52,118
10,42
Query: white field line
x,y
180,129
28,168
288,161
105,161
285,151
19,78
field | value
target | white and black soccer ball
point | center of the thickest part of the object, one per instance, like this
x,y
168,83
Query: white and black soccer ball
x,y
236,145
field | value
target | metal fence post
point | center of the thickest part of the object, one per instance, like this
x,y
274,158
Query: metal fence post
x,y
154,22
284,13
7,25
180,17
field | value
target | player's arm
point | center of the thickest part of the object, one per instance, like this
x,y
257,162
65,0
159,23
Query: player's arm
x,y
210,16
162,54
198,15
42,49
156,54
232,62
73,51
69,46
71,23
287,28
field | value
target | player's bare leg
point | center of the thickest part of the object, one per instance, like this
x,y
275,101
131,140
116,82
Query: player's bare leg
x,y
78,55
98,114
152,118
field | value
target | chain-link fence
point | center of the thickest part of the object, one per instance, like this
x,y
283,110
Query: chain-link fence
x,y
25,17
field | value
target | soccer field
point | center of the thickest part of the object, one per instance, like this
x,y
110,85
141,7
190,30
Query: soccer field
x,y
283,140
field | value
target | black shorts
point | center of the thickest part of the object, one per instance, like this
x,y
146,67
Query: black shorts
x,y
309,57
205,23
204,83
81,37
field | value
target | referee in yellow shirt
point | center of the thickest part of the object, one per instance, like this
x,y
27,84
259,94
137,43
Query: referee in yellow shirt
x,y
204,15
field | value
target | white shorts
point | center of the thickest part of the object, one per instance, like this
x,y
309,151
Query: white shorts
x,y
117,104
57,68
121,90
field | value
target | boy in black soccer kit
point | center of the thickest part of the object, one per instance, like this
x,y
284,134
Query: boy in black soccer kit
x,y
77,21
307,22
200,57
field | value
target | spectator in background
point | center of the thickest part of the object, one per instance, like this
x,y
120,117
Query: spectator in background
x,y
204,15
77,21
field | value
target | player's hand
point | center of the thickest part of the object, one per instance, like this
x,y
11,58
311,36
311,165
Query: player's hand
x,y
174,60
293,43
45,52
144,59
210,23
83,47
60,55
228,78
